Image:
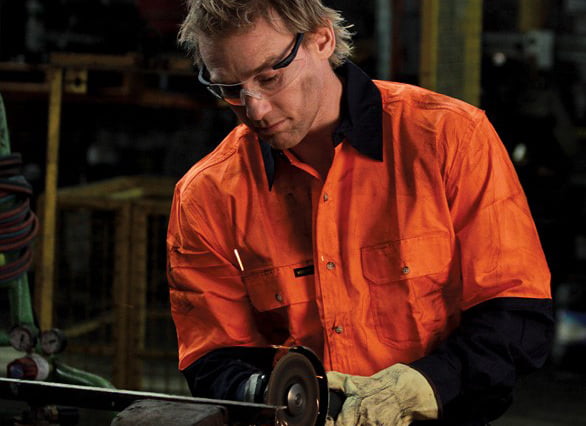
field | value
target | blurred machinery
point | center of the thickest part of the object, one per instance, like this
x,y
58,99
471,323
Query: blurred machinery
x,y
36,351
101,255
295,393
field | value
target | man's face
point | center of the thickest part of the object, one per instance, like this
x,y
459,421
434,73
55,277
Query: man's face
x,y
282,119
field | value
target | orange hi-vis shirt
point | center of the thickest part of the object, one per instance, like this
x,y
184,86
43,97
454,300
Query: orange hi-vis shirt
x,y
419,218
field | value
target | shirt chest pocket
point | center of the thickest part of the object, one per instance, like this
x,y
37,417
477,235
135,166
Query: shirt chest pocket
x,y
280,287
406,280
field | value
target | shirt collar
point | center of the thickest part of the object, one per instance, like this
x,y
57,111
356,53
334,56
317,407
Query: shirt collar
x,y
361,112
360,118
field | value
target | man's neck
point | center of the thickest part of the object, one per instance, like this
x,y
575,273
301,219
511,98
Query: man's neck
x,y
317,149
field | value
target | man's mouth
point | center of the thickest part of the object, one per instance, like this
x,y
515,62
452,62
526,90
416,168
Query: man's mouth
x,y
271,129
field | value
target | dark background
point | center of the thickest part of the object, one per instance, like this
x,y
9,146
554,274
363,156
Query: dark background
x,y
537,102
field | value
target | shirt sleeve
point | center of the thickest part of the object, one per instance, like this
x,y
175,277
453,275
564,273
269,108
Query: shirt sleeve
x,y
497,242
507,321
209,302
475,370
221,374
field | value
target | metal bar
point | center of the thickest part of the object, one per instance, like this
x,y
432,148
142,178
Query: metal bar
x,y
429,44
95,61
50,201
88,326
472,52
384,36
122,302
450,59
44,393
21,87
137,317
531,14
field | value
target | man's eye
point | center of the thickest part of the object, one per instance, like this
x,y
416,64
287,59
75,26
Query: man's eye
x,y
268,78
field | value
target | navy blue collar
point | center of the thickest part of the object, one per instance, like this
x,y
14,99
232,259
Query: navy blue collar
x,y
360,119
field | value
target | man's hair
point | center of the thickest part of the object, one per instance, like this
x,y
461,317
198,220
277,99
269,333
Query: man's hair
x,y
218,18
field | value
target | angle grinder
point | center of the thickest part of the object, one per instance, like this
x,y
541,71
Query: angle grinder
x,y
295,394
298,382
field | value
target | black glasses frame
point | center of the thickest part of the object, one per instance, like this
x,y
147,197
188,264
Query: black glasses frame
x,y
281,64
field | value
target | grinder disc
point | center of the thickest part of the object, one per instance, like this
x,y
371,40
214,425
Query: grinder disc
x,y
293,384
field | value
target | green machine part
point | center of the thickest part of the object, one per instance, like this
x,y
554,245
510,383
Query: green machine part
x,y
19,297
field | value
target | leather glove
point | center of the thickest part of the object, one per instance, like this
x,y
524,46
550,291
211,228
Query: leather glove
x,y
396,395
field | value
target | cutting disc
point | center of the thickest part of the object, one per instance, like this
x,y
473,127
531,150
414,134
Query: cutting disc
x,y
293,383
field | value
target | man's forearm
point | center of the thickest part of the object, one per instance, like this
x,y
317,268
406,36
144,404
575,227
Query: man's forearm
x,y
475,369
221,374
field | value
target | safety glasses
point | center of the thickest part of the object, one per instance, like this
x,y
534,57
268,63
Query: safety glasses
x,y
264,84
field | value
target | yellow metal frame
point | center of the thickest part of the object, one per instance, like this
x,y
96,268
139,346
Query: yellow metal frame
x,y
133,200
472,27
45,294
469,24
429,44
69,74
531,14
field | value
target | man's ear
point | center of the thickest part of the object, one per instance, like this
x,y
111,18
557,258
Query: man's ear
x,y
323,40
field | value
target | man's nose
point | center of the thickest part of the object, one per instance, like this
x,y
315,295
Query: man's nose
x,y
257,107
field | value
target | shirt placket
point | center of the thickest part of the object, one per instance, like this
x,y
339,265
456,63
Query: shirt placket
x,y
330,271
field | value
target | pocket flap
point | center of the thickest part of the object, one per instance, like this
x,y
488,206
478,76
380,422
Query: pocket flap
x,y
406,259
278,287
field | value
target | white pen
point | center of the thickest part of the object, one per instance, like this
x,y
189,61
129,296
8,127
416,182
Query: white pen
x,y
238,259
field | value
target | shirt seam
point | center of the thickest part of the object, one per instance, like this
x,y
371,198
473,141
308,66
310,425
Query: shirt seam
x,y
215,158
474,124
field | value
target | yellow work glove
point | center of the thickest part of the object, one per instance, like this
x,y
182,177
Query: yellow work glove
x,y
396,395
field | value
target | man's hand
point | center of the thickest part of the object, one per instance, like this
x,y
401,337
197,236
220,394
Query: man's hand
x,y
396,395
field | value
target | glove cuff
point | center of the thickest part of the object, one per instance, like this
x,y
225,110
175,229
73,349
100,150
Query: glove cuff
x,y
415,394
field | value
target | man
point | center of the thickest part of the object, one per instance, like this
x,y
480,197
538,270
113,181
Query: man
x,y
379,224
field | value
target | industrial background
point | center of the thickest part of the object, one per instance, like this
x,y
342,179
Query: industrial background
x,y
107,114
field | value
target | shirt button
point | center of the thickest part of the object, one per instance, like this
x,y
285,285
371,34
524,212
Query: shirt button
x,y
405,270
339,329
326,197
330,265
279,297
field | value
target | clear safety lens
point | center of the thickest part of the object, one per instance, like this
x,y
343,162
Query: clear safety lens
x,y
264,84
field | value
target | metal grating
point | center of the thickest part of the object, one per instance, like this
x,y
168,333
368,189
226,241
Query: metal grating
x,y
83,298
451,48
111,295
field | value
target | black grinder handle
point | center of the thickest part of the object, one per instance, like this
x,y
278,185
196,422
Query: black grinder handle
x,y
337,399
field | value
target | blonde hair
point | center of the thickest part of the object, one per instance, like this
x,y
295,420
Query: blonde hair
x,y
216,18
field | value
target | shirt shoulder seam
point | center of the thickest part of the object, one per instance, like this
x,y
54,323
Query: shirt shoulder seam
x,y
215,157
463,109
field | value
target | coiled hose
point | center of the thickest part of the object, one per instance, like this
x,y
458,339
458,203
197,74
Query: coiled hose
x,y
18,224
